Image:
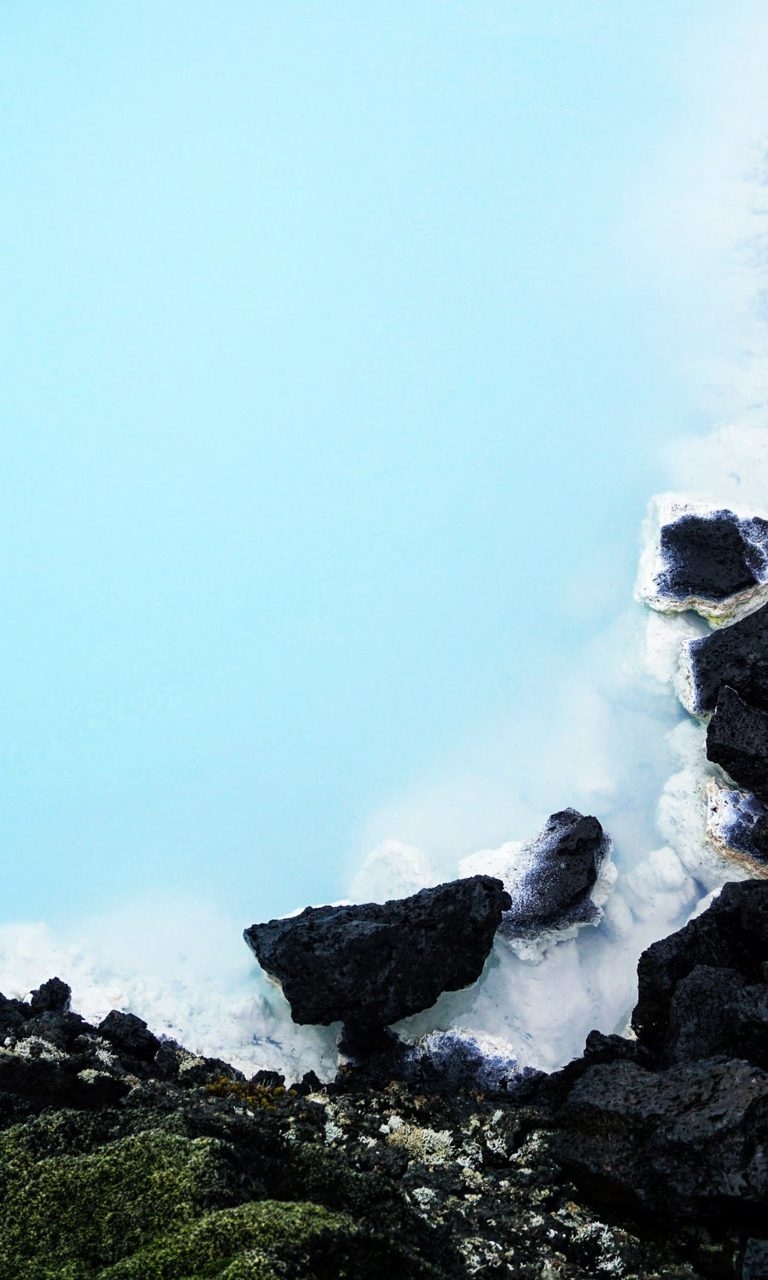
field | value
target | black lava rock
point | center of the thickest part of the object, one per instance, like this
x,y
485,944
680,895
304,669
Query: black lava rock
x,y
129,1034
561,866
372,964
731,935
715,1012
13,1013
712,556
736,656
737,740
52,997
684,1142
754,1263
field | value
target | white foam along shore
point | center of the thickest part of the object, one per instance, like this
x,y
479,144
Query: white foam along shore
x,y
536,1000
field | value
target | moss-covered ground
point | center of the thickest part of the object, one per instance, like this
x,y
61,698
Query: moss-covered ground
x,y
159,1205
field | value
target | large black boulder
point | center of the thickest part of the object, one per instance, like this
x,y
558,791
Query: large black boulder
x,y
736,656
372,964
129,1034
559,868
676,1122
731,936
754,1263
54,996
712,556
688,1142
737,740
716,1012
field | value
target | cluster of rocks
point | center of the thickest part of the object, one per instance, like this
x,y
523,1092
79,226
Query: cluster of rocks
x,y
124,1157
370,965
717,564
675,1121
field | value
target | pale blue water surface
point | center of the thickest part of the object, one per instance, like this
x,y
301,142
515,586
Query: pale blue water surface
x,y
326,370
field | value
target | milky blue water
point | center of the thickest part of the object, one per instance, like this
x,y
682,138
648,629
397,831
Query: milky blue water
x,y
343,347
335,374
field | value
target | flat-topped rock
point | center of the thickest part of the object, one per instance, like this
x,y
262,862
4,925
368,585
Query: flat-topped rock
x,y
736,655
737,740
372,964
711,561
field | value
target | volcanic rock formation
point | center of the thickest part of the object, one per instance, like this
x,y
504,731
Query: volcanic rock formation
x,y
736,655
372,964
710,561
737,740
677,1121
551,880
114,1163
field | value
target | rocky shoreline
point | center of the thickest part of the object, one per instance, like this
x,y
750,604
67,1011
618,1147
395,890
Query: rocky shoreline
x,y
123,1156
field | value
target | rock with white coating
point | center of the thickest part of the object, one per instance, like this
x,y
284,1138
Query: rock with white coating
x,y
552,879
711,561
737,825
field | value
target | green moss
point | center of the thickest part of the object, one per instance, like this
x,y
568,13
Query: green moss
x,y
251,1242
76,1203
93,1209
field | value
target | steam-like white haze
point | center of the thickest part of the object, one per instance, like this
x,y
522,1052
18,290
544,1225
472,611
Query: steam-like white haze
x,y
608,736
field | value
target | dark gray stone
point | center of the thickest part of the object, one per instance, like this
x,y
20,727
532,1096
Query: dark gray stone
x,y
754,1263
712,556
563,861
690,1142
737,740
372,964
129,1034
732,934
737,656
715,1012
52,997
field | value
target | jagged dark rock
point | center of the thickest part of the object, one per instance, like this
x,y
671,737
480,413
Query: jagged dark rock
x,y
714,1011
712,556
736,656
732,935
114,1164
643,1158
13,1013
126,1031
558,870
737,740
373,964
686,1141
52,997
